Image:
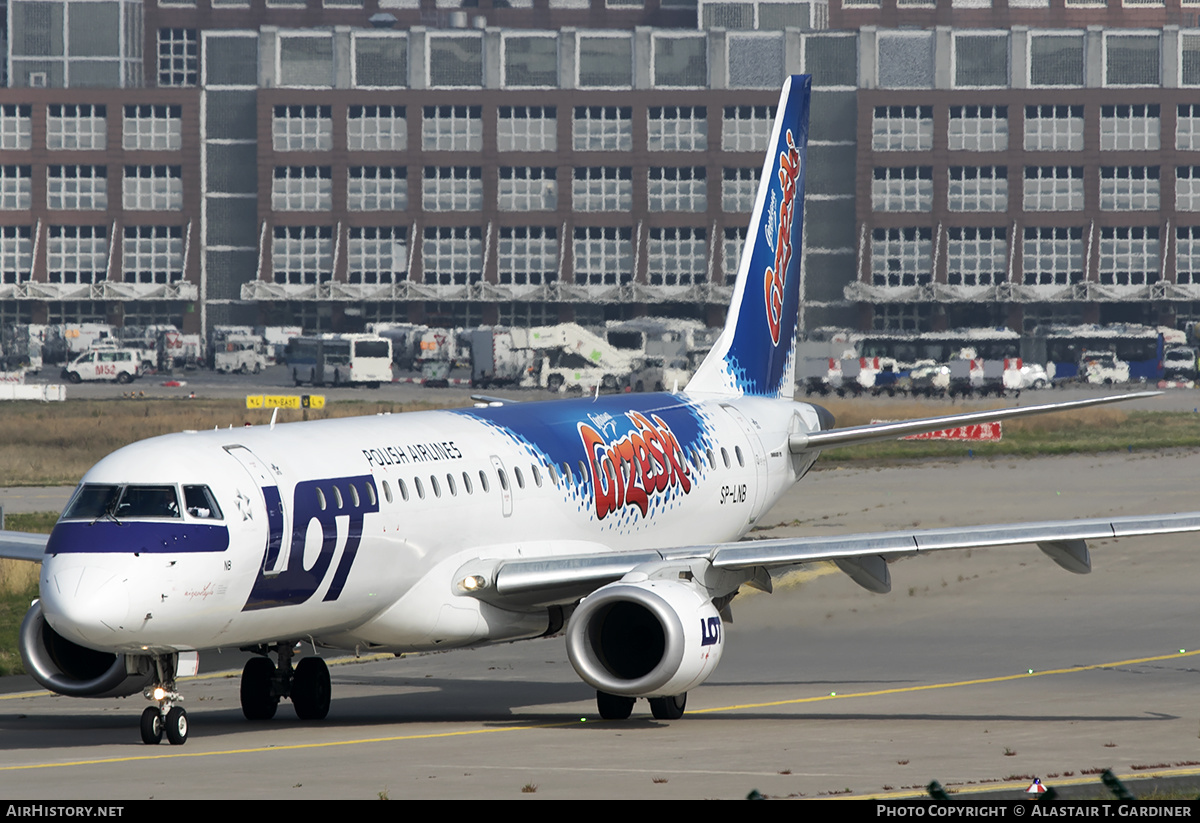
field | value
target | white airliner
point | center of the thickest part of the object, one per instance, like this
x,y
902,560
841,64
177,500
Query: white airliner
x,y
614,518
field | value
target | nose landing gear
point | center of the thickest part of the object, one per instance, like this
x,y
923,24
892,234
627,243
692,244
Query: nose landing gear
x,y
165,716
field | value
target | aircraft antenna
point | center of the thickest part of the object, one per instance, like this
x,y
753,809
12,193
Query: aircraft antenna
x,y
274,414
597,395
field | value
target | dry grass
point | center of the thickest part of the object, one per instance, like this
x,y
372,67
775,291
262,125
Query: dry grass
x,y
55,443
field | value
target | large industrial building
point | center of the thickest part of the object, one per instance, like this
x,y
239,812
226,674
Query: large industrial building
x,y
333,162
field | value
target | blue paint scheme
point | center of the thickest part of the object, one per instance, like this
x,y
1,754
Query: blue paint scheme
x,y
759,363
710,631
136,536
296,584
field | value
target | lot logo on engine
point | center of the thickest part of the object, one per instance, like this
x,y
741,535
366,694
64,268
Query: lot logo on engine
x,y
710,631
642,467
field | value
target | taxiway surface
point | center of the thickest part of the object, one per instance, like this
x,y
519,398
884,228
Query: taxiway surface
x,y
979,666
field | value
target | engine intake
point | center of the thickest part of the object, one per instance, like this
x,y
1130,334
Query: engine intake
x,y
67,668
645,639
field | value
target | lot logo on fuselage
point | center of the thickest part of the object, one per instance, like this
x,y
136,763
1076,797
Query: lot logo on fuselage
x,y
631,471
789,173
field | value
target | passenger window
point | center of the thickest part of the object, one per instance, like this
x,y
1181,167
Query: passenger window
x,y
568,478
354,500
520,477
387,491
321,499
450,484
337,497
467,483
503,479
725,456
737,450
199,502
537,476
371,493
420,488
403,490
712,462
483,481
437,490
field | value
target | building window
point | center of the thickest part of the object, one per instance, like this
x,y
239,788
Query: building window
x,y
1187,127
1187,188
731,252
16,253
525,188
903,317
902,188
453,255
16,127
77,254
76,127
747,128
152,128
377,254
302,255
16,187
178,57
1130,127
901,257
980,60
83,188
530,62
527,128
1129,188
376,128
978,188
377,188
1056,60
1052,256
1129,255
605,62
455,60
677,128
739,187
678,256
152,254
902,128
452,188
602,128
152,188
976,256
1131,59
452,128
1053,188
602,188
679,61
302,128
302,188
603,256
677,189
1187,255
1054,128
528,255
978,128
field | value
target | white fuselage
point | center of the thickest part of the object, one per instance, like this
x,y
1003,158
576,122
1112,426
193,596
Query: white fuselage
x,y
350,531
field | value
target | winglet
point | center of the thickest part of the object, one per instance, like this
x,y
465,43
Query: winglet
x,y
755,354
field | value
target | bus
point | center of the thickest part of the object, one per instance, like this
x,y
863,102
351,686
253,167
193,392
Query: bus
x,y
340,360
1062,348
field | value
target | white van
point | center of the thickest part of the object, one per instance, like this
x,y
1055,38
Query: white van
x,y
121,365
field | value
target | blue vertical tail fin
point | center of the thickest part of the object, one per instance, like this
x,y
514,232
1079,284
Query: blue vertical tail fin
x,y
755,354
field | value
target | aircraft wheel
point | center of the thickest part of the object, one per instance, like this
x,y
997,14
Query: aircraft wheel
x,y
614,706
310,689
177,726
152,726
668,708
258,703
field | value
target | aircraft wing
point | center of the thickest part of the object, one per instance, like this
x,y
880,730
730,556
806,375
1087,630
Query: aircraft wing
x,y
853,435
565,579
22,545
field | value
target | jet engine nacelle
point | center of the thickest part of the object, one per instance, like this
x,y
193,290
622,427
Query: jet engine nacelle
x,y
652,638
68,668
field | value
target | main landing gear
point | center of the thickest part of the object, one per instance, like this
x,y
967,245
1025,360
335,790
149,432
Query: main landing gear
x,y
263,684
619,707
165,716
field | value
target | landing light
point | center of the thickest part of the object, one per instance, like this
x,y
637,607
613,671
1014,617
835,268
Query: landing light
x,y
159,693
472,583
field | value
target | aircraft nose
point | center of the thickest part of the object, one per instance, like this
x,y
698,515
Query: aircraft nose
x,y
88,604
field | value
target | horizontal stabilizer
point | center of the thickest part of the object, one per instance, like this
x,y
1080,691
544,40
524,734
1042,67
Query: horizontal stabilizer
x,y
854,435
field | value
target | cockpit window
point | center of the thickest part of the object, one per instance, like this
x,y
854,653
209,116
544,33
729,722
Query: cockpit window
x,y
148,501
200,502
92,501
